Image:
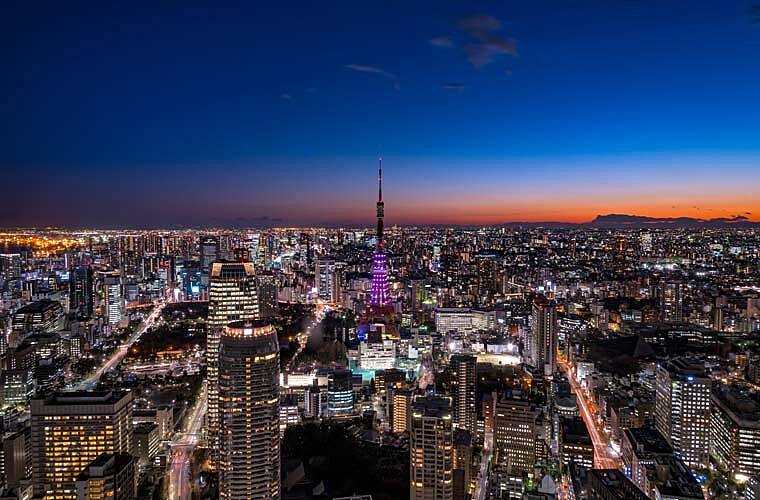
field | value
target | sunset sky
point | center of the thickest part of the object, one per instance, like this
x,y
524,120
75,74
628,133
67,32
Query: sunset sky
x,y
271,113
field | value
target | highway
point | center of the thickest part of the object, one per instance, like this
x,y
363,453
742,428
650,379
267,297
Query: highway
x,y
602,457
91,382
180,480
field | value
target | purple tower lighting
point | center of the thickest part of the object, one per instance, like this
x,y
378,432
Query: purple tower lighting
x,y
380,293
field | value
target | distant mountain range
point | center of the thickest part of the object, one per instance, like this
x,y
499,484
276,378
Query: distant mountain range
x,y
619,221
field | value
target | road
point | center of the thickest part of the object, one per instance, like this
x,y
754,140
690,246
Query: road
x,y
180,480
482,487
91,382
602,457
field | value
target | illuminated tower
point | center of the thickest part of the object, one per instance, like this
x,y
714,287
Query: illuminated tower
x,y
380,291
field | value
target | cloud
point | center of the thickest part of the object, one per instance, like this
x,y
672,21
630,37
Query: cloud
x,y
486,41
508,72
756,14
452,86
441,41
377,71
286,97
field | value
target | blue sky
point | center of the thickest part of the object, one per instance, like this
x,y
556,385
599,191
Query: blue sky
x,y
484,111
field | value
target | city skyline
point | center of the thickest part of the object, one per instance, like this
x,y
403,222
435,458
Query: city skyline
x,y
484,113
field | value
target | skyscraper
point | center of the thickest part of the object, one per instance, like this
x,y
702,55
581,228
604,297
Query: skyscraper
x,y
431,461
515,433
325,278
110,296
340,394
544,330
682,409
10,266
81,291
232,297
70,430
249,454
209,253
463,390
671,301
380,294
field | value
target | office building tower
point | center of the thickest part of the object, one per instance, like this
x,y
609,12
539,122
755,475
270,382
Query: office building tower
x,y
70,430
575,445
10,266
431,461
340,394
735,432
249,400
401,400
15,465
649,462
515,433
682,409
232,297
326,279
267,294
209,253
81,292
671,301
110,296
544,335
108,477
16,386
146,439
464,378
40,316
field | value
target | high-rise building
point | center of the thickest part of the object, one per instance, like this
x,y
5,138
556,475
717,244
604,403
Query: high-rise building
x,y
10,266
70,430
110,296
515,433
249,399
81,292
14,462
326,279
340,393
649,462
401,400
431,460
232,297
41,316
575,443
544,335
735,432
267,294
464,378
209,253
108,477
671,301
682,409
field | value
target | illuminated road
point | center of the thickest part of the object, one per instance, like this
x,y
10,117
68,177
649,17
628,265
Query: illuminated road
x,y
602,457
320,310
482,486
180,481
92,381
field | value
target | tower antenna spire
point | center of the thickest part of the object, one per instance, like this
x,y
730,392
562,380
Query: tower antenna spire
x,y
380,179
